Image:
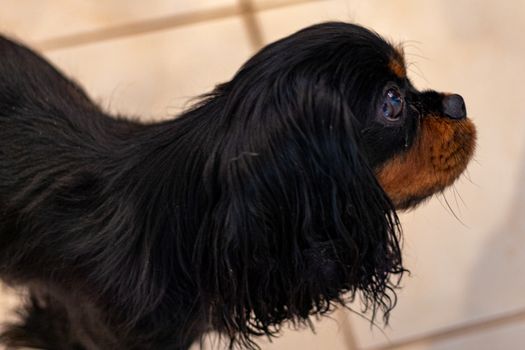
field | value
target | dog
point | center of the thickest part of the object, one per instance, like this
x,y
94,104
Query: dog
x,y
272,199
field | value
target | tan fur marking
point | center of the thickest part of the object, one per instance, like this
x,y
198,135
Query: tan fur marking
x,y
397,69
436,159
397,63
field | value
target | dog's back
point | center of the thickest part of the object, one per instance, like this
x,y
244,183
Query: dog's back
x,y
53,142
70,227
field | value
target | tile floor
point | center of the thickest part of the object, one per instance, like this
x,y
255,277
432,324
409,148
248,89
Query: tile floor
x,y
149,60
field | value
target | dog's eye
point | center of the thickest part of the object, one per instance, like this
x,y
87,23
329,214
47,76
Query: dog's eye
x,y
392,105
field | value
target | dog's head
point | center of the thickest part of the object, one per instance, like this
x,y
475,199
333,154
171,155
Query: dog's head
x,y
323,137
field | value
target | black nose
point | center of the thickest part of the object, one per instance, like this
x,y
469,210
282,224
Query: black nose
x,y
454,107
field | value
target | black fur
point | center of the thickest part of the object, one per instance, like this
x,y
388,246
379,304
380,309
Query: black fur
x,y
258,205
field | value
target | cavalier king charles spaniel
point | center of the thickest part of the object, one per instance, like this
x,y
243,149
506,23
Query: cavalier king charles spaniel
x,y
272,199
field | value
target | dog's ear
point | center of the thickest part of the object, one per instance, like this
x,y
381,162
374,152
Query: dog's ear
x,y
296,217
28,81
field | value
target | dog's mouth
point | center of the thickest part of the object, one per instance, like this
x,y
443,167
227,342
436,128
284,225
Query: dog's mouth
x,y
437,158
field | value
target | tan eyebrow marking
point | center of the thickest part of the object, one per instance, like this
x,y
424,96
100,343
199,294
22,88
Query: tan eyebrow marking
x,y
397,63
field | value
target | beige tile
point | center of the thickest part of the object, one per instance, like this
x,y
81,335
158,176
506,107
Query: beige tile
x,y
154,75
328,333
508,338
462,270
280,22
36,20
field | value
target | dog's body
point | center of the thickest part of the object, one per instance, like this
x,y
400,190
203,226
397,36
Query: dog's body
x,y
265,202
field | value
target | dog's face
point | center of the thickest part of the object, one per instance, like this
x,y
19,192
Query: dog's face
x,y
417,142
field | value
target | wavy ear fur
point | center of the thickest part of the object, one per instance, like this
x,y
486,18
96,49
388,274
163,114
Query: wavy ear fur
x,y
296,217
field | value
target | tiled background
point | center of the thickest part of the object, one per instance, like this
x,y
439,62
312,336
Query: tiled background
x,y
466,248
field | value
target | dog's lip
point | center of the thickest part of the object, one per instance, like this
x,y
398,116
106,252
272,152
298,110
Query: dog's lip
x,y
438,156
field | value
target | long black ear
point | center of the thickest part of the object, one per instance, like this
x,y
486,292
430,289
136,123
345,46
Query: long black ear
x,y
28,81
296,217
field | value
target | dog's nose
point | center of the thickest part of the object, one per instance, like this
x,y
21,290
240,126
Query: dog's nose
x,y
454,107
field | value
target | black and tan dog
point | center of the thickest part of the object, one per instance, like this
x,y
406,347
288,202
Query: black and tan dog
x,y
272,199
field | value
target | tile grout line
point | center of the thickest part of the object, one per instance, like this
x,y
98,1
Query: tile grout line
x,y
349,336
136,28
251,23
454,332
157,24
